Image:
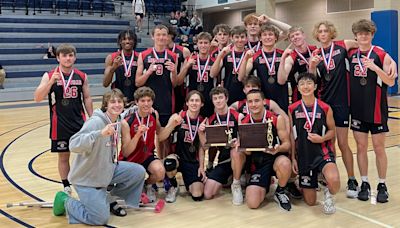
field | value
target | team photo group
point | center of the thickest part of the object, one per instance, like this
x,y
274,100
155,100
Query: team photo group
x,y
167,103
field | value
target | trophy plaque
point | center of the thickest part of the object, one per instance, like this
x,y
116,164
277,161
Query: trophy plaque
x,y
256,136
218,135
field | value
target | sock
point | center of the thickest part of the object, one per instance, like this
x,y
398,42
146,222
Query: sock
x,y
65,183
352,178
235,181
364,178
381,181
173,182
280,189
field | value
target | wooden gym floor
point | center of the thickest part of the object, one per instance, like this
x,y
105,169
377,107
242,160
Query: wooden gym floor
x,y
29,173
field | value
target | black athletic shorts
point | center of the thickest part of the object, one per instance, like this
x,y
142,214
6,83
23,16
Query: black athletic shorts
x,y
60,145
221,173
147,162
341,115
362,126
189,172
310,179
141,15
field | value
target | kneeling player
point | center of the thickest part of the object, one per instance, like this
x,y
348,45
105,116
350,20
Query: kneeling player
x,y
269,162
313,132
189,156
138,133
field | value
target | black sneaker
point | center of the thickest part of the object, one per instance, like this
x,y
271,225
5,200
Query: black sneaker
x,y
283,201
293,191
364,192
352,190
383,195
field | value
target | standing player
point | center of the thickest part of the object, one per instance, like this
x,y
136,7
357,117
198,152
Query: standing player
x,y
334,89
230,161
189,157
221,38
312,140
296,61
95,167
138,135
182,53
230,59
269,162
123,65
252,25
265,64
368,104
157,70
66,87
197,68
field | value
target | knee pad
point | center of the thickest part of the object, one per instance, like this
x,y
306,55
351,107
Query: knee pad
x,y
170,164
198,198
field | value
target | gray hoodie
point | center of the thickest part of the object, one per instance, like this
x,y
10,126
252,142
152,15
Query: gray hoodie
x,y
93,164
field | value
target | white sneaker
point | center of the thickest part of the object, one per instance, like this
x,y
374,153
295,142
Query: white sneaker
x,y
151,193
237,195
329,204
171,194
68,190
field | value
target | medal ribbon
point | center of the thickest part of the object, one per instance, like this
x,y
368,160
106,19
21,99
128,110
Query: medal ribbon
x,y
115,136
192,136
302,56
362,68
264,119
329,57
236,66
312,120
255,48
65,85
272,66
227,118
147,125
127,67
156,56
201,74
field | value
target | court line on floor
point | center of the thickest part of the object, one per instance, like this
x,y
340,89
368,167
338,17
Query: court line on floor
x,y
21,127
15,219
363,217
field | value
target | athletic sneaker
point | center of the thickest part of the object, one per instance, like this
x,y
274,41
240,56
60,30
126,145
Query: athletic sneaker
x,y
171,194
365,191
68,190
352,188
283,200
293,191
329,204
237,195
58,204
151,193
383,194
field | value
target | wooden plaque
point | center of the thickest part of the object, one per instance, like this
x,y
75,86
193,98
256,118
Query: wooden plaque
x,y
216,136
253,137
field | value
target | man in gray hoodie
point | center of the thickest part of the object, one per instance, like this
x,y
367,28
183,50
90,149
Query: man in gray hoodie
x,y
95,167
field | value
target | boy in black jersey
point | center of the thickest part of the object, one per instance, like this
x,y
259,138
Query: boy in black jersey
x,y
270,161
312,134
230,161
369,80
123,65
230,58
67,88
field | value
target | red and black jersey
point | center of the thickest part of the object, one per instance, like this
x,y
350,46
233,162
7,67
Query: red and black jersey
x,y
125,83
269,80
310,155
299,66
139,155
178,50
66,109
242,106
368,102
261,158
232,125
231,82
334,91
206,83
160,80
184,140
